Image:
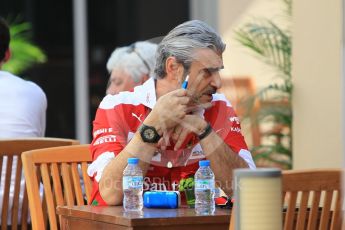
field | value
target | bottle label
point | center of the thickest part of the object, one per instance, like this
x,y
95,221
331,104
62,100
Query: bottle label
x,y
202,184
132,182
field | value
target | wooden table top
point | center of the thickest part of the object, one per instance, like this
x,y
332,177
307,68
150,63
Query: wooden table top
x,y
148,217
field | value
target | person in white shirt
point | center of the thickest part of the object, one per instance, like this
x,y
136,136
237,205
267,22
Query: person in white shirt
x,y
130,66
23,107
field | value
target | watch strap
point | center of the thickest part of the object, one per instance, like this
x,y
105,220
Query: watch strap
x,y
206,132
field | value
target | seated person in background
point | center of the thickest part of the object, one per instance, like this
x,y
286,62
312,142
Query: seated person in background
x,y
23,103
130,66
168,128
23,107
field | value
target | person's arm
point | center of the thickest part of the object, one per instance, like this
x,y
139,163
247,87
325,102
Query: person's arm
x,y
110,185
223,160
162,118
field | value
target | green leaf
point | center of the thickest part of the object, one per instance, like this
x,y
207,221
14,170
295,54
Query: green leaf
x,y
272,45
24,52
182,185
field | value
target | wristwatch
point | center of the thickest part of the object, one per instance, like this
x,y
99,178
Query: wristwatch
x,y
149,134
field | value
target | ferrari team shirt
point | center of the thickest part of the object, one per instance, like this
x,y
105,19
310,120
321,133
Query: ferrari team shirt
x,y
118,118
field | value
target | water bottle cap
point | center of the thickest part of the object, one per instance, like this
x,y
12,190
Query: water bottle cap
x,y
133,161
204,163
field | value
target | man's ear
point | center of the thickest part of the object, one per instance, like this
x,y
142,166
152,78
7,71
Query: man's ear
x,y
171,65
7,55
173,68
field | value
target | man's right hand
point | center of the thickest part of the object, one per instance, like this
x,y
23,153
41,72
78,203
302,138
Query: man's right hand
x,y
170,110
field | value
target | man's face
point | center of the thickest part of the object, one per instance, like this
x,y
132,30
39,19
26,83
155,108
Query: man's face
x,y
120,81
204,78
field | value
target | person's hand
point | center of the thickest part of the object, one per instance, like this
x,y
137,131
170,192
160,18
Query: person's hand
x,y
169,111
191,123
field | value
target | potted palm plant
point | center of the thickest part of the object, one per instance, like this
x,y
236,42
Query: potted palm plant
x,y
24,52
272,45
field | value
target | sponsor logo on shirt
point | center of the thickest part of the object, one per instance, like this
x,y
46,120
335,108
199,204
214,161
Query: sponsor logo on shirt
x,y
137,117
235,129
105,139
100,131
234,119
197,152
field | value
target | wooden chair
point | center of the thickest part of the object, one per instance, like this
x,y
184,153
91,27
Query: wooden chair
x,y
236,90
320,197
232,219
10,151
61,170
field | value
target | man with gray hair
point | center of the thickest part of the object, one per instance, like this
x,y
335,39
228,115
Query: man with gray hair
x,y
171,122
130,66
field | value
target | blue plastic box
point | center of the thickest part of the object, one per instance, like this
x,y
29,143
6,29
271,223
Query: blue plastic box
x,y
162,199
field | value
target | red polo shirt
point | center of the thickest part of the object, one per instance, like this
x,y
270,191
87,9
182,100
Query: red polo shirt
x,y
119,116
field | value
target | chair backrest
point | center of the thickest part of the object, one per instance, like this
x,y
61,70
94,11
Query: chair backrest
x,y
232,219
11,165
313,198
237,90
63,173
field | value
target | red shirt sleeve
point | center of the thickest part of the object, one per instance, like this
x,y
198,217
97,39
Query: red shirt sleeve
x,y
226,124
108,137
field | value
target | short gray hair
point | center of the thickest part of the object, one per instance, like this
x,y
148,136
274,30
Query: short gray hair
x,y
136,60
181,41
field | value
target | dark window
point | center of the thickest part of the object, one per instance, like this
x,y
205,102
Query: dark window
x,y
111,23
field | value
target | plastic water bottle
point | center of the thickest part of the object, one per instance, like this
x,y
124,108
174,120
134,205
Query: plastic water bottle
x,y
204,189
132,184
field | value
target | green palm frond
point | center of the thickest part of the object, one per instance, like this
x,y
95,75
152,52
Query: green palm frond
x,y
269,152
278,114
268,149
24,52
288,5
271,45
268,42
275,91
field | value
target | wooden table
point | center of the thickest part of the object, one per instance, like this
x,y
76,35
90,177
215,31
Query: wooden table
x,y
102,218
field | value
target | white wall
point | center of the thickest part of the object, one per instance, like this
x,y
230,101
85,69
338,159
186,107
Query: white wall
x,y
239,61
317,65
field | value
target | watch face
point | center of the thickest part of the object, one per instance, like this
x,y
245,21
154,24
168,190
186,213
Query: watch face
x,y
149,134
